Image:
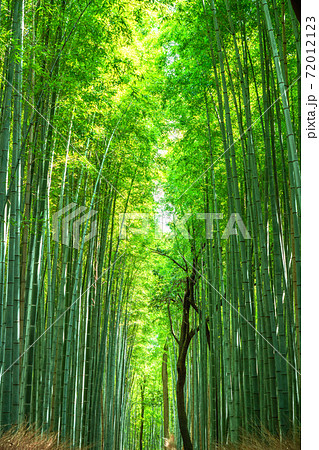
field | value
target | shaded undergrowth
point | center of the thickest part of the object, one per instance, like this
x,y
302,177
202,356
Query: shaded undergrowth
x,y
29,438
263,440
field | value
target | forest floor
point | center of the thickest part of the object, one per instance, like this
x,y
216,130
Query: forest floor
x,y
27,439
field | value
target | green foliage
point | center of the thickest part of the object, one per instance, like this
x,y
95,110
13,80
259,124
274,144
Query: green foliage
x,y
124,107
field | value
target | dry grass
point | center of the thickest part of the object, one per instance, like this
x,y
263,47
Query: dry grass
x,y
28,438
264,441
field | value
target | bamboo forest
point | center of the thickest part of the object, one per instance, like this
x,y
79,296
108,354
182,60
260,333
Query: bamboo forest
x,y
150,252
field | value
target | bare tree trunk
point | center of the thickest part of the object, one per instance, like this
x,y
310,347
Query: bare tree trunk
x,y
142,414
165,392
185,338
183,343
182,416
296,4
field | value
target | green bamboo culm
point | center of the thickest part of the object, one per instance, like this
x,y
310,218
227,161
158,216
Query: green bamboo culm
x,y
112,338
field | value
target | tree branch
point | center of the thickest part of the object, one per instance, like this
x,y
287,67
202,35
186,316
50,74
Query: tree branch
x,y
170,321
192,333
169,257
193,304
